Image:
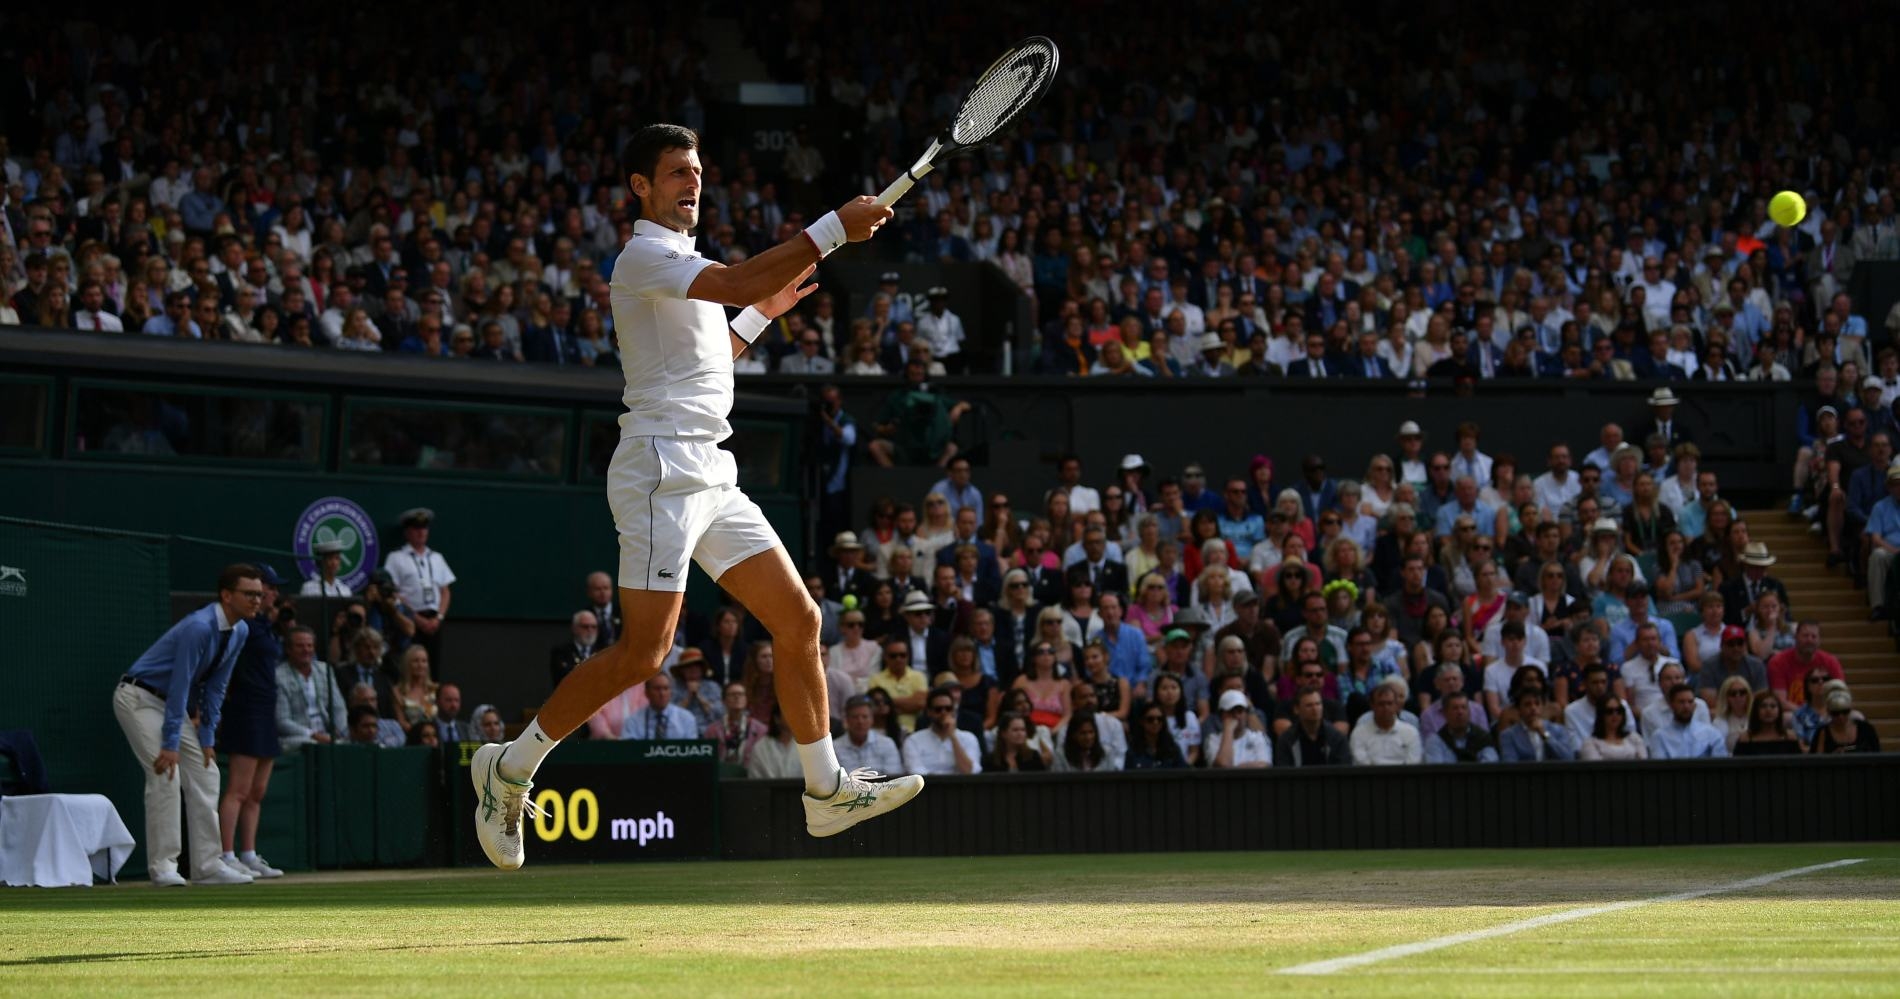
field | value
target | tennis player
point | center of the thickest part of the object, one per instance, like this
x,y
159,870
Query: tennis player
x,y
675,493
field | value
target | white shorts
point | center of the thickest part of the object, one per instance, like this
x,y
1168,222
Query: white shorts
x,y
676,499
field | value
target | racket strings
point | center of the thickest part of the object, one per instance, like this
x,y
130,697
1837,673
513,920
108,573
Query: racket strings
x,y
1004,91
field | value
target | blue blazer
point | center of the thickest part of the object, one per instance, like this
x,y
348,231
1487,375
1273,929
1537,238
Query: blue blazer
x,y
538,345
986,571
1355,367
1514,744
1316,504
179,663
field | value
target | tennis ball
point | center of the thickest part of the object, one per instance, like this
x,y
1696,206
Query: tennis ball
x,y
850,601
1787,209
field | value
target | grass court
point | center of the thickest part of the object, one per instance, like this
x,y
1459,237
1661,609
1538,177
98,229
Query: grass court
x,y
1162,924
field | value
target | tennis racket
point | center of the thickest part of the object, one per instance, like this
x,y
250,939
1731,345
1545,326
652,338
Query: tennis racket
x,y
1011,86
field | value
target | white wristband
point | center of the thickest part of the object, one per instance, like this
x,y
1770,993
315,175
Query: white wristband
x,y
749,324
827,234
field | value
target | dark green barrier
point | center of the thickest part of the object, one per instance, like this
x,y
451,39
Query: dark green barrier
x,y
607,800
373,807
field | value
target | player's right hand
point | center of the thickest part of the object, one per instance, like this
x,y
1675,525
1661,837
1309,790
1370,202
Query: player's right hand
x,y
862,216
166,762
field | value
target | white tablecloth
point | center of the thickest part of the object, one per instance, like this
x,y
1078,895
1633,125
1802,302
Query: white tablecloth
x,y
58,840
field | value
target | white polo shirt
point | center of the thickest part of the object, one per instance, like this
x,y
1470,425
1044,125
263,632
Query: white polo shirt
x,y
419,576
676,353
926,752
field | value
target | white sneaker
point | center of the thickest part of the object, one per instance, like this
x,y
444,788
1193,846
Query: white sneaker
x,y
221,875
857,799
168,879
499,803
260,868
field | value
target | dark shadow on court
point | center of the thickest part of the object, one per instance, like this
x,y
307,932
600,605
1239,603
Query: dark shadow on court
x,y
109,957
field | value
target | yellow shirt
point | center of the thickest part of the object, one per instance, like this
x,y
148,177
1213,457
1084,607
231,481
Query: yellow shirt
x,y
909,685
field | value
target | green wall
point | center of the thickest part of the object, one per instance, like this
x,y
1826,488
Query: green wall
x,y
520,551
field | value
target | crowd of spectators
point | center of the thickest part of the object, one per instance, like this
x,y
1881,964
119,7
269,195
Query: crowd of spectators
x,y
1464,195
1450,605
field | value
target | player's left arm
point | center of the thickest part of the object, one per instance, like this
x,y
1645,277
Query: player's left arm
x,y
777,305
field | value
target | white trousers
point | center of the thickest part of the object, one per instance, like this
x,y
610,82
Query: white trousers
x,y
141,714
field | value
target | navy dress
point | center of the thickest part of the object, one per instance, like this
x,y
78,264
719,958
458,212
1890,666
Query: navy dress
x,y
249,722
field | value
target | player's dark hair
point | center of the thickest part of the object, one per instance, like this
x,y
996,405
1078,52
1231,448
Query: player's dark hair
x,y
642,152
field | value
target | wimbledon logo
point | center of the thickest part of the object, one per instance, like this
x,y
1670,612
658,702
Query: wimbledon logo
x,y
335,518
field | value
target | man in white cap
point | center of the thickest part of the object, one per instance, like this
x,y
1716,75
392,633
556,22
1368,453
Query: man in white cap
x,y
847,569
942,330
423,577
1211,363
1739,594
1241,742
325,584
1133,471
1412,466
1662,409
929,645
900,305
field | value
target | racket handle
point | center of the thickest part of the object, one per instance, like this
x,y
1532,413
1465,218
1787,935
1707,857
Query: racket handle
x,y
897,190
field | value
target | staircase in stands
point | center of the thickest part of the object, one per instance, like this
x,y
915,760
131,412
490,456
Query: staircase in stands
x,y
1865,648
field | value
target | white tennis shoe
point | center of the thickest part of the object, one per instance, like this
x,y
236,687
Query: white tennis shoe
x,y
862,794
222,874
499,803
260,868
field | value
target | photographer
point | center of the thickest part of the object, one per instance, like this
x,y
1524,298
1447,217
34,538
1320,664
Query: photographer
x,y
388,612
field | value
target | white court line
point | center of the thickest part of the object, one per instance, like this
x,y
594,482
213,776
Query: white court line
x,y
1327,967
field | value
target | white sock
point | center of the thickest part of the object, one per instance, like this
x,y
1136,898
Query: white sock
x,y
229,858
524,755
821,768
248,856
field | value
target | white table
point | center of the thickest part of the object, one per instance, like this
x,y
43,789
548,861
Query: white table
x,y
60,840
